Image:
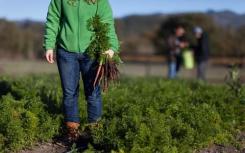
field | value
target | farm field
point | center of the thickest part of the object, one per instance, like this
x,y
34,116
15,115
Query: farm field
x,y
140,115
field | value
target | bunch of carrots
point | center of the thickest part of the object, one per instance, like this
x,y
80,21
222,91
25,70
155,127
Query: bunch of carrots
x,y
107,70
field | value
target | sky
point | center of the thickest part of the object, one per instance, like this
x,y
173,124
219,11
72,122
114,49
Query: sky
x,y
37,9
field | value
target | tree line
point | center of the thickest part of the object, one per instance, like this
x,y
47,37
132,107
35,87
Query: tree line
x,y
143,35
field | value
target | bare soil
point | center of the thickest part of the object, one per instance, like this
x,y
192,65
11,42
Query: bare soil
x,y
46,148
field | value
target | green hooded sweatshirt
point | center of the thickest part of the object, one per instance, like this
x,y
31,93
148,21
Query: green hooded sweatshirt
x,y
66,24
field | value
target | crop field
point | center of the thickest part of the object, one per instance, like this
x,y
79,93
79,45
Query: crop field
x,y
140,115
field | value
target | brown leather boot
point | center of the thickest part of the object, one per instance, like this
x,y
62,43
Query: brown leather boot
x,y
73,133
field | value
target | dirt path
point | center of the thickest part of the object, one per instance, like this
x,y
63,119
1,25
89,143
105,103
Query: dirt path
x,y
46,148
52,148
221,149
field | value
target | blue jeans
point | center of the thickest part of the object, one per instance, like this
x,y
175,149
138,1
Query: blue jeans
x,y
70,65
172,72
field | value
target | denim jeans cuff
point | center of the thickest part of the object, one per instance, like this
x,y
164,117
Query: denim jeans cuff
x,y
73,119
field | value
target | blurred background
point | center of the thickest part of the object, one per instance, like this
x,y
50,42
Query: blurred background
x,y
143,28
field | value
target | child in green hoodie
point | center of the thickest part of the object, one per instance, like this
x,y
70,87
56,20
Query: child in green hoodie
x,y
66,31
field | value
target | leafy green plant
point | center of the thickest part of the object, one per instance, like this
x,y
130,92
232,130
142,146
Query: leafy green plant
x,y
233,80
73,149
24,117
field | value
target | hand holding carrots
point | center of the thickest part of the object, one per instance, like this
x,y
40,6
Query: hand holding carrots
x,y
110,53
107,70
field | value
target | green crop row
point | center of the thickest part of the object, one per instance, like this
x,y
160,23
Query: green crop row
x,y
140,115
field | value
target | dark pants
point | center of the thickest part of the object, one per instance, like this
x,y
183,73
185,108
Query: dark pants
x,y
178,62
201,70
70,65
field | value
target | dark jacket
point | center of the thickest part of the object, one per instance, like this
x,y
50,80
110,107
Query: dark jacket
x,y
202,48
173,47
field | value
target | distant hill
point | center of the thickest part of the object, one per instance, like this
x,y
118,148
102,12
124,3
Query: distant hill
x,y
228,18
136,24
143,22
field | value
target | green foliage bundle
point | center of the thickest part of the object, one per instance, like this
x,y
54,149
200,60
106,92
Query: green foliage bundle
x,y
107,70
140,115
100,41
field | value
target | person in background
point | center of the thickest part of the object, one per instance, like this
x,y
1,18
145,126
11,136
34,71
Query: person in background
x,y
201,52
174,52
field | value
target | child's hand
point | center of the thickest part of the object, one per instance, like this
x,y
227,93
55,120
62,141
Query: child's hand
x,y
110,53
50,56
